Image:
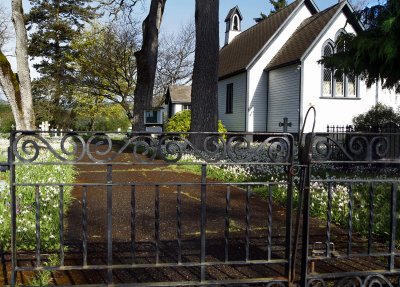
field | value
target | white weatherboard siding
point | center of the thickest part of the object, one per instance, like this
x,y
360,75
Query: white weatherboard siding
x,y
236,120
257,80
340,110
176,108
283,98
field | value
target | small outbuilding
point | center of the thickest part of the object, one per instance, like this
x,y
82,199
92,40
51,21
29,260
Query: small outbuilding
x,y
178,98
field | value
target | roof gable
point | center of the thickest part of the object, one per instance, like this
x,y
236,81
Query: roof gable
x,y
234,10
305,35
179,94
235,57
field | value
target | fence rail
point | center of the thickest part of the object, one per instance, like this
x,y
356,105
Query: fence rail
x,y
127,227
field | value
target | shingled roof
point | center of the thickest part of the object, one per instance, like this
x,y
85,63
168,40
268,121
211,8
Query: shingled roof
x,y
232,11
179,94
303,37
234,57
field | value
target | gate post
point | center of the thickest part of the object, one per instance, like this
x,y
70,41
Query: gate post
x,y
289,220
305,158
203,222
306,224
11,161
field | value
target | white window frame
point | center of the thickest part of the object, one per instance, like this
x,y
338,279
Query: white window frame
x,y
334,83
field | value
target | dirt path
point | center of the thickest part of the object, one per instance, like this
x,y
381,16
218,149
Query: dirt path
x,y
162,183
145,177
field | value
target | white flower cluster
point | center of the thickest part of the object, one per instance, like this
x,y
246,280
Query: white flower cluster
x,y
49,195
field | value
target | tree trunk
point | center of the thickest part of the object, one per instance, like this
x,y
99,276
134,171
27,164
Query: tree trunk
x,y
146,60
9,82
21,52
205,70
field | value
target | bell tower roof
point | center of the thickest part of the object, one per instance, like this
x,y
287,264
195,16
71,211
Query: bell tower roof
x,y
233,24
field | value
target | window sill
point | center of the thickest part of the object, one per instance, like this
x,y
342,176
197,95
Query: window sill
x,y
229,113
341,98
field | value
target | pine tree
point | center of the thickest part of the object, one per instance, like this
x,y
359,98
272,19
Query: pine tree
x,y
277,5
56,23
375,52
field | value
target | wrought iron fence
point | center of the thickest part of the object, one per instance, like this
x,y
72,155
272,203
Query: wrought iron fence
x,y
167,232
355,243
174,231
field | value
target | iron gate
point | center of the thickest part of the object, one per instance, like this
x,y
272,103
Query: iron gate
x,y
174,231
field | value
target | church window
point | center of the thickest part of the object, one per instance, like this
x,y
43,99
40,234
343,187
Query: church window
x,y
337,85
327,84
229,98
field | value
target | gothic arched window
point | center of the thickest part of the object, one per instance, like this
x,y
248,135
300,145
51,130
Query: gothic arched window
x,y
327,73
337,85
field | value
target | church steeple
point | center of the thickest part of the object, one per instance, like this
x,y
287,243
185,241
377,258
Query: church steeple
x,y
233,24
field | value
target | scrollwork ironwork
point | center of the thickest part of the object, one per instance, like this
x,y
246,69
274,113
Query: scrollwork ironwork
x,y
273,149
316,283
377,280
26,147
372,280
350,282
353,148
276,284
100,148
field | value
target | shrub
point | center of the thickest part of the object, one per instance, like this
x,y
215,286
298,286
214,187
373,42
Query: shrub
x,y
180,122
376,118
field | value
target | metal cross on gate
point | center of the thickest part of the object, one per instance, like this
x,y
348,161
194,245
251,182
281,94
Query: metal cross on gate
x,y
285,124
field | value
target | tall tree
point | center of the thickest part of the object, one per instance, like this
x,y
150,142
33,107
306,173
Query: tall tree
x,y
105,64
205,70
55,23
146,60
17,88
375,52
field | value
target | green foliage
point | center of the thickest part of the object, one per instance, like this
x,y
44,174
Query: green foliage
x,y
100,117
45,277
55,24
375,52
25,197
6,118
180,122
277,5
376,118
105,66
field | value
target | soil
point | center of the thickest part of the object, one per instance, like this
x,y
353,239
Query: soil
x,y
162,183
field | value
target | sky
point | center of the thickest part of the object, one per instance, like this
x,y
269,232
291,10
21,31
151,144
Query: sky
x,y
179,12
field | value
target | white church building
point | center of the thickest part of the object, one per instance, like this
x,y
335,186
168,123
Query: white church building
x,y
270,71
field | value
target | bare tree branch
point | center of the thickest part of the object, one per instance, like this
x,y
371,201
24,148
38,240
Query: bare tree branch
x,y
5,23
175,60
